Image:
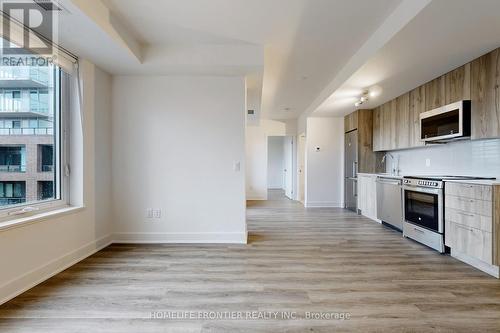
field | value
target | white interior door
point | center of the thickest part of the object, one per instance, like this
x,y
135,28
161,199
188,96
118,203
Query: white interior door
x,y
301,164
288,161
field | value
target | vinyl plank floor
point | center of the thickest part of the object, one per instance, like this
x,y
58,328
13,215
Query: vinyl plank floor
x,y
298,261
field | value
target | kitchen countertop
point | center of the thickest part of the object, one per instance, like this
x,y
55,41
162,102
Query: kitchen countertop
x,y
386,175
488,182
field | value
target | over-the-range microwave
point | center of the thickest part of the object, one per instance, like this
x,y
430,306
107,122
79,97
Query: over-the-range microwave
x,y
448,122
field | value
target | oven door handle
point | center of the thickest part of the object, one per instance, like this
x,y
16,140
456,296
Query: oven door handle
x,y
437,191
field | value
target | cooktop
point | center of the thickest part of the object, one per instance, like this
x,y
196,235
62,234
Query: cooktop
x,y
429,177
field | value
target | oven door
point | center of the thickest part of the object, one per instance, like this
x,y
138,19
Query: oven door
x,y
424,207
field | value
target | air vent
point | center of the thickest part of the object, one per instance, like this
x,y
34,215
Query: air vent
x,y
48,5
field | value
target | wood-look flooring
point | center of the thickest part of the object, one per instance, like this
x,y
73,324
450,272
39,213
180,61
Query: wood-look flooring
x,y
298,260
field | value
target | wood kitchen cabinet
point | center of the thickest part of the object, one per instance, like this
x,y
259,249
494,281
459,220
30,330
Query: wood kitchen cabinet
x,y
377,129
457,85
351,122
391,124
472,226
388,126
369,161
416,107
402,126
435,93
485,96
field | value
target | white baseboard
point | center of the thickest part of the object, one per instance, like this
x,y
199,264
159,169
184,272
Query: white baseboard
x,y
482,266
323,204
181,238
17,286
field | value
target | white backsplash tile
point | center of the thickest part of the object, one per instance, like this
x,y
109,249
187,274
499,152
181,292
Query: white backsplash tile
x,y
462,158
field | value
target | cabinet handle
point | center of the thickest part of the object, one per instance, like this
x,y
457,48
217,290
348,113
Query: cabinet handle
x,y
465,214
462,227
418,230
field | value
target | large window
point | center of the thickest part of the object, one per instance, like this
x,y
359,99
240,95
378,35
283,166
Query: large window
x,y
32,119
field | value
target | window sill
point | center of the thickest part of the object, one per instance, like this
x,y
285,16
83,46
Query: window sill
x,y
30,219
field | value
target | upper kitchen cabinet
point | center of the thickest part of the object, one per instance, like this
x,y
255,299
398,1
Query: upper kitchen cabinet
x,y
377,129
435,93
485,96
457,85
362,121
390,125
402,127
351,122
416,107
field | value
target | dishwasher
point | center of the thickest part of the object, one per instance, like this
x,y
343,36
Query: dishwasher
x,y
390,202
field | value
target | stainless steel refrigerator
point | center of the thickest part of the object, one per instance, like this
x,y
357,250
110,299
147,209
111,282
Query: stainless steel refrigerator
x,y
351,170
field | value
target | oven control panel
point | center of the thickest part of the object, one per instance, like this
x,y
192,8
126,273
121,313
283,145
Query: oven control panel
x,y
422,182
427,183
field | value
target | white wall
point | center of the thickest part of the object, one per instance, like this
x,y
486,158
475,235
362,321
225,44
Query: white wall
x,y
468,158
275,162
175,142
103,152
324,169
48,246
256,156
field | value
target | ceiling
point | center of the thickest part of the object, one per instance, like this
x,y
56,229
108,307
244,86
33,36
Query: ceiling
x,y
298,45
444,35
312,57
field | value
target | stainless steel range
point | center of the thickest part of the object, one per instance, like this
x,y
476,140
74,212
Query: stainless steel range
x,y
423,208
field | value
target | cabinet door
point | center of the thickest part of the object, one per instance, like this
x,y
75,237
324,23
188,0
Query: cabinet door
x,y
472,242
434,93
377,130
457,85
485,96
388,125
351,122
402,127
417,106
367,195
366,156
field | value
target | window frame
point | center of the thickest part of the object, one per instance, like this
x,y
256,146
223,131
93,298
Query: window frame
x,y
62,102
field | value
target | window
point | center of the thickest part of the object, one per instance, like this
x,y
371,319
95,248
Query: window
x,y
12,193
12,159
33,119
46,158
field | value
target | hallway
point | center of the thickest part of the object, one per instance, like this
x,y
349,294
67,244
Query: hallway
x,y
298,260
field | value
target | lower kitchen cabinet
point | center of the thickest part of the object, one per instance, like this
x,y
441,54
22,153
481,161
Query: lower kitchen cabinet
x,y
472,229
367,195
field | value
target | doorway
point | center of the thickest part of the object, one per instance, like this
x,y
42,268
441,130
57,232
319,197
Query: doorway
x,y
280,165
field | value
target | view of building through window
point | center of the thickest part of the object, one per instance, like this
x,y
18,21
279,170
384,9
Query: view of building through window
x,y
27,137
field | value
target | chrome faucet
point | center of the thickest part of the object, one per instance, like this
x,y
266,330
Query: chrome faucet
x,y
394,170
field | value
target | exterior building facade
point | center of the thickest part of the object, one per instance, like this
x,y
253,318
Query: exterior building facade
x,y
26,134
